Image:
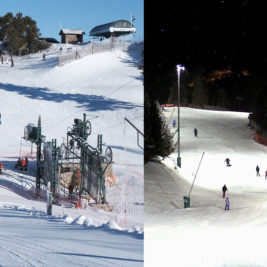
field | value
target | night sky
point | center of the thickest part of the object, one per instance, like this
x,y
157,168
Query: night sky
x,y
217,34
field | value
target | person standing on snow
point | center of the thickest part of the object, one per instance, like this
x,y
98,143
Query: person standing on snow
x,y
258,170
224,189
265,175
227,204
195,132
227,162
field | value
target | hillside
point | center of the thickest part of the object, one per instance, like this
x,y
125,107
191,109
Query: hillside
x,y
107,87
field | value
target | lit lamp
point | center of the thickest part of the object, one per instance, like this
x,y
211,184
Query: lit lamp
x,y
179,68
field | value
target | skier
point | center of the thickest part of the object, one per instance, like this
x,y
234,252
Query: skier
x,y
258,170
1,167
26,163
224,189
173,123
265,175
18,163
195,132
227,204
23,165
2,59
227,160
44,57
12,62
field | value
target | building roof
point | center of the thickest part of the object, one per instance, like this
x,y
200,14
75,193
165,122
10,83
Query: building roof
x,y
70,31
116,28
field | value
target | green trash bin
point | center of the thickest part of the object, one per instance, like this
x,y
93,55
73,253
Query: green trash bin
x,y
186,202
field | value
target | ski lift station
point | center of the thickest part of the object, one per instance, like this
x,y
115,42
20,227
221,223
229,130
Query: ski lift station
x,y
113,29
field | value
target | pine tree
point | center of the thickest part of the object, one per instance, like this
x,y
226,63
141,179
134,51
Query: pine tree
x,y
259,108
158,138
20,34
5,21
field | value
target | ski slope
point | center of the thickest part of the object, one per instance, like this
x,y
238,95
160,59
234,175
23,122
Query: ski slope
x,y
205,234
107,87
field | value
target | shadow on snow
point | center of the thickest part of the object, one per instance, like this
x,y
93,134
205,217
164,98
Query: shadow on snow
x,y
89,102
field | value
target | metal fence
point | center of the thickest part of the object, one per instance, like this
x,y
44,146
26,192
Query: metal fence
x,y
93,180
92,48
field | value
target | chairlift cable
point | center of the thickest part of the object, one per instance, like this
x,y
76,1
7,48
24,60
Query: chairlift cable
x,y
119,88
80,111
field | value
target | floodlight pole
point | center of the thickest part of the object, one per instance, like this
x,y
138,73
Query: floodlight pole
x,y
179,68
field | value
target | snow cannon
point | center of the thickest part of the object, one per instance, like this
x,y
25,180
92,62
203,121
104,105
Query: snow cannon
x,y
31,133
82,127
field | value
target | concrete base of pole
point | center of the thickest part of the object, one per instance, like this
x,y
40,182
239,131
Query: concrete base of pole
x,y
186,202
179,162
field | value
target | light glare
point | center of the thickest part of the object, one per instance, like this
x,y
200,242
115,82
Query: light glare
x,y
179,67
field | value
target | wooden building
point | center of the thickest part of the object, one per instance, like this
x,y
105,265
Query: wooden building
x,y
70,36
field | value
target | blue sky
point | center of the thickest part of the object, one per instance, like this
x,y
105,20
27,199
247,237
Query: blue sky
x,y
76,14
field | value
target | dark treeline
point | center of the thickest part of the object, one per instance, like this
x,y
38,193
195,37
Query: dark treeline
x,y
236,91
20,35
231,89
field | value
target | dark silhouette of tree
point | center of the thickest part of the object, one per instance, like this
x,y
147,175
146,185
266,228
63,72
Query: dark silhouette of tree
x,y
259,108
158,138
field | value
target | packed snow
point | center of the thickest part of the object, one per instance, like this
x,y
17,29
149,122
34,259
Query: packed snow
x,y
206,234
107,87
